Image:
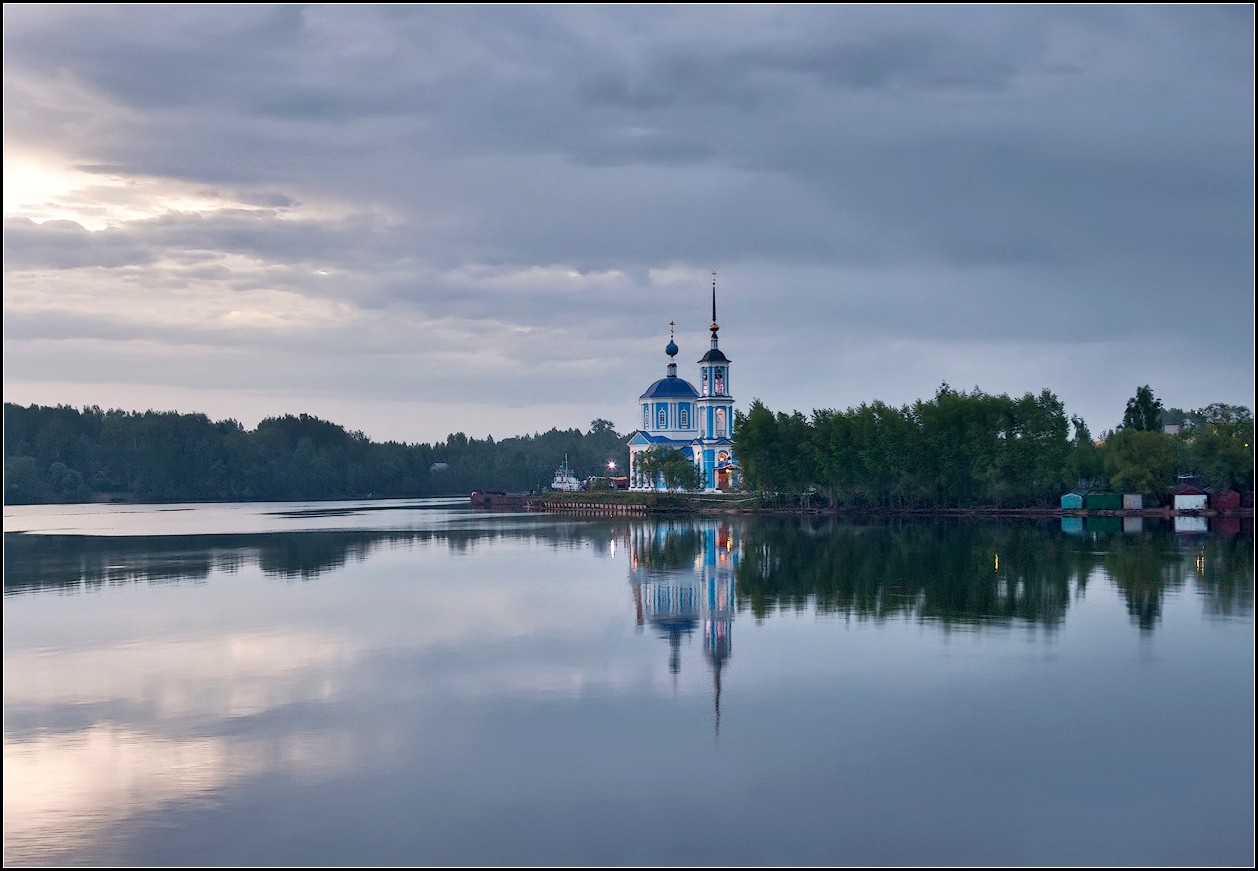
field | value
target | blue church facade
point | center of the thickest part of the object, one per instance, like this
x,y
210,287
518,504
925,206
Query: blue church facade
x,y
699,423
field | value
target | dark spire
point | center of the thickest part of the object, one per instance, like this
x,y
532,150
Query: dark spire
x,y
714,326
714,354
671,350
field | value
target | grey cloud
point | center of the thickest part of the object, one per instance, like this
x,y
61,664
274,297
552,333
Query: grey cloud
x,y
274,199
961,173
162,56
102,169
68,245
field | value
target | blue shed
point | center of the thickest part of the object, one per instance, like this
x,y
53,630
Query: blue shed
x,y
1071,501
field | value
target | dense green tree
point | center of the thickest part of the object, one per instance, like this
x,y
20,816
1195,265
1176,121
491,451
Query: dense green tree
x,y
670,467
956,449
1220,447
23,483
889,457
1144,411
1085,465
1031,457
962,436
1141,461
754,444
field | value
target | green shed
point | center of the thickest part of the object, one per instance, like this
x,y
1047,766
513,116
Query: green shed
x,y
1103,502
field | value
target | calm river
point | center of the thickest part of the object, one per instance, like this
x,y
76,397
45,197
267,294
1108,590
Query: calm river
x,y
418,683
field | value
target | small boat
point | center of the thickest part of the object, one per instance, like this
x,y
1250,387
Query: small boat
x,y
564,479
499,499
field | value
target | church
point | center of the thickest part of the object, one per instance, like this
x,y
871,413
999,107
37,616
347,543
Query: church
x,y
699,423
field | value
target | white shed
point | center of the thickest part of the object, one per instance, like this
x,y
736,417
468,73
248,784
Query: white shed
x,y
1190,499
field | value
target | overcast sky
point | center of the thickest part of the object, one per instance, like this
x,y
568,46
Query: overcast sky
x,y
417,220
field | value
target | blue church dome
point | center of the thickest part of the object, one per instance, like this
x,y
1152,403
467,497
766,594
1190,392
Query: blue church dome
x,y
671,348
671,387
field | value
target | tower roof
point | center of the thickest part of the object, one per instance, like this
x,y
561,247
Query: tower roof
x,y
671,387
714,355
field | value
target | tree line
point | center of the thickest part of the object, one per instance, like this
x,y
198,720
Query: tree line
x,y
958,449
63,454
974,449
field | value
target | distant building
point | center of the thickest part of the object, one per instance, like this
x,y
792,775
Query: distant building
x,y
699,423
1224,500
1190,499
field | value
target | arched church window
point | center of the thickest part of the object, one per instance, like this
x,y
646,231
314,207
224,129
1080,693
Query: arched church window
x,y
705,382
683,421
663,417
720,382
646,417
720,421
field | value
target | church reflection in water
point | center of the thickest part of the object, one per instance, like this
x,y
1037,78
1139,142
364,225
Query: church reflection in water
x,y
682,576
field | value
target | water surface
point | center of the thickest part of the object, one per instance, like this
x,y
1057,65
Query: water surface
x,y
414,682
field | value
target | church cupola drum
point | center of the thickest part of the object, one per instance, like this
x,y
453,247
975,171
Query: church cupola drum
x,y
698,423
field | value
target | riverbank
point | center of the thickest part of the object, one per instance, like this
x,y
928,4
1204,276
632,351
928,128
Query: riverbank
x,y
613,502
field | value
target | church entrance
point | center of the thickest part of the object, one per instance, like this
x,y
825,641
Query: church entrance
x,y
722,479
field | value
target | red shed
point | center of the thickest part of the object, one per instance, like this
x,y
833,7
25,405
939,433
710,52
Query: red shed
x,y
1225,500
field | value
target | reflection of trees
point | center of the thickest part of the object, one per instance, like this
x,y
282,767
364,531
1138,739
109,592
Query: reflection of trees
x,y
952,572
1143,568
37,562
1224,569
307,556
960,572
676,550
